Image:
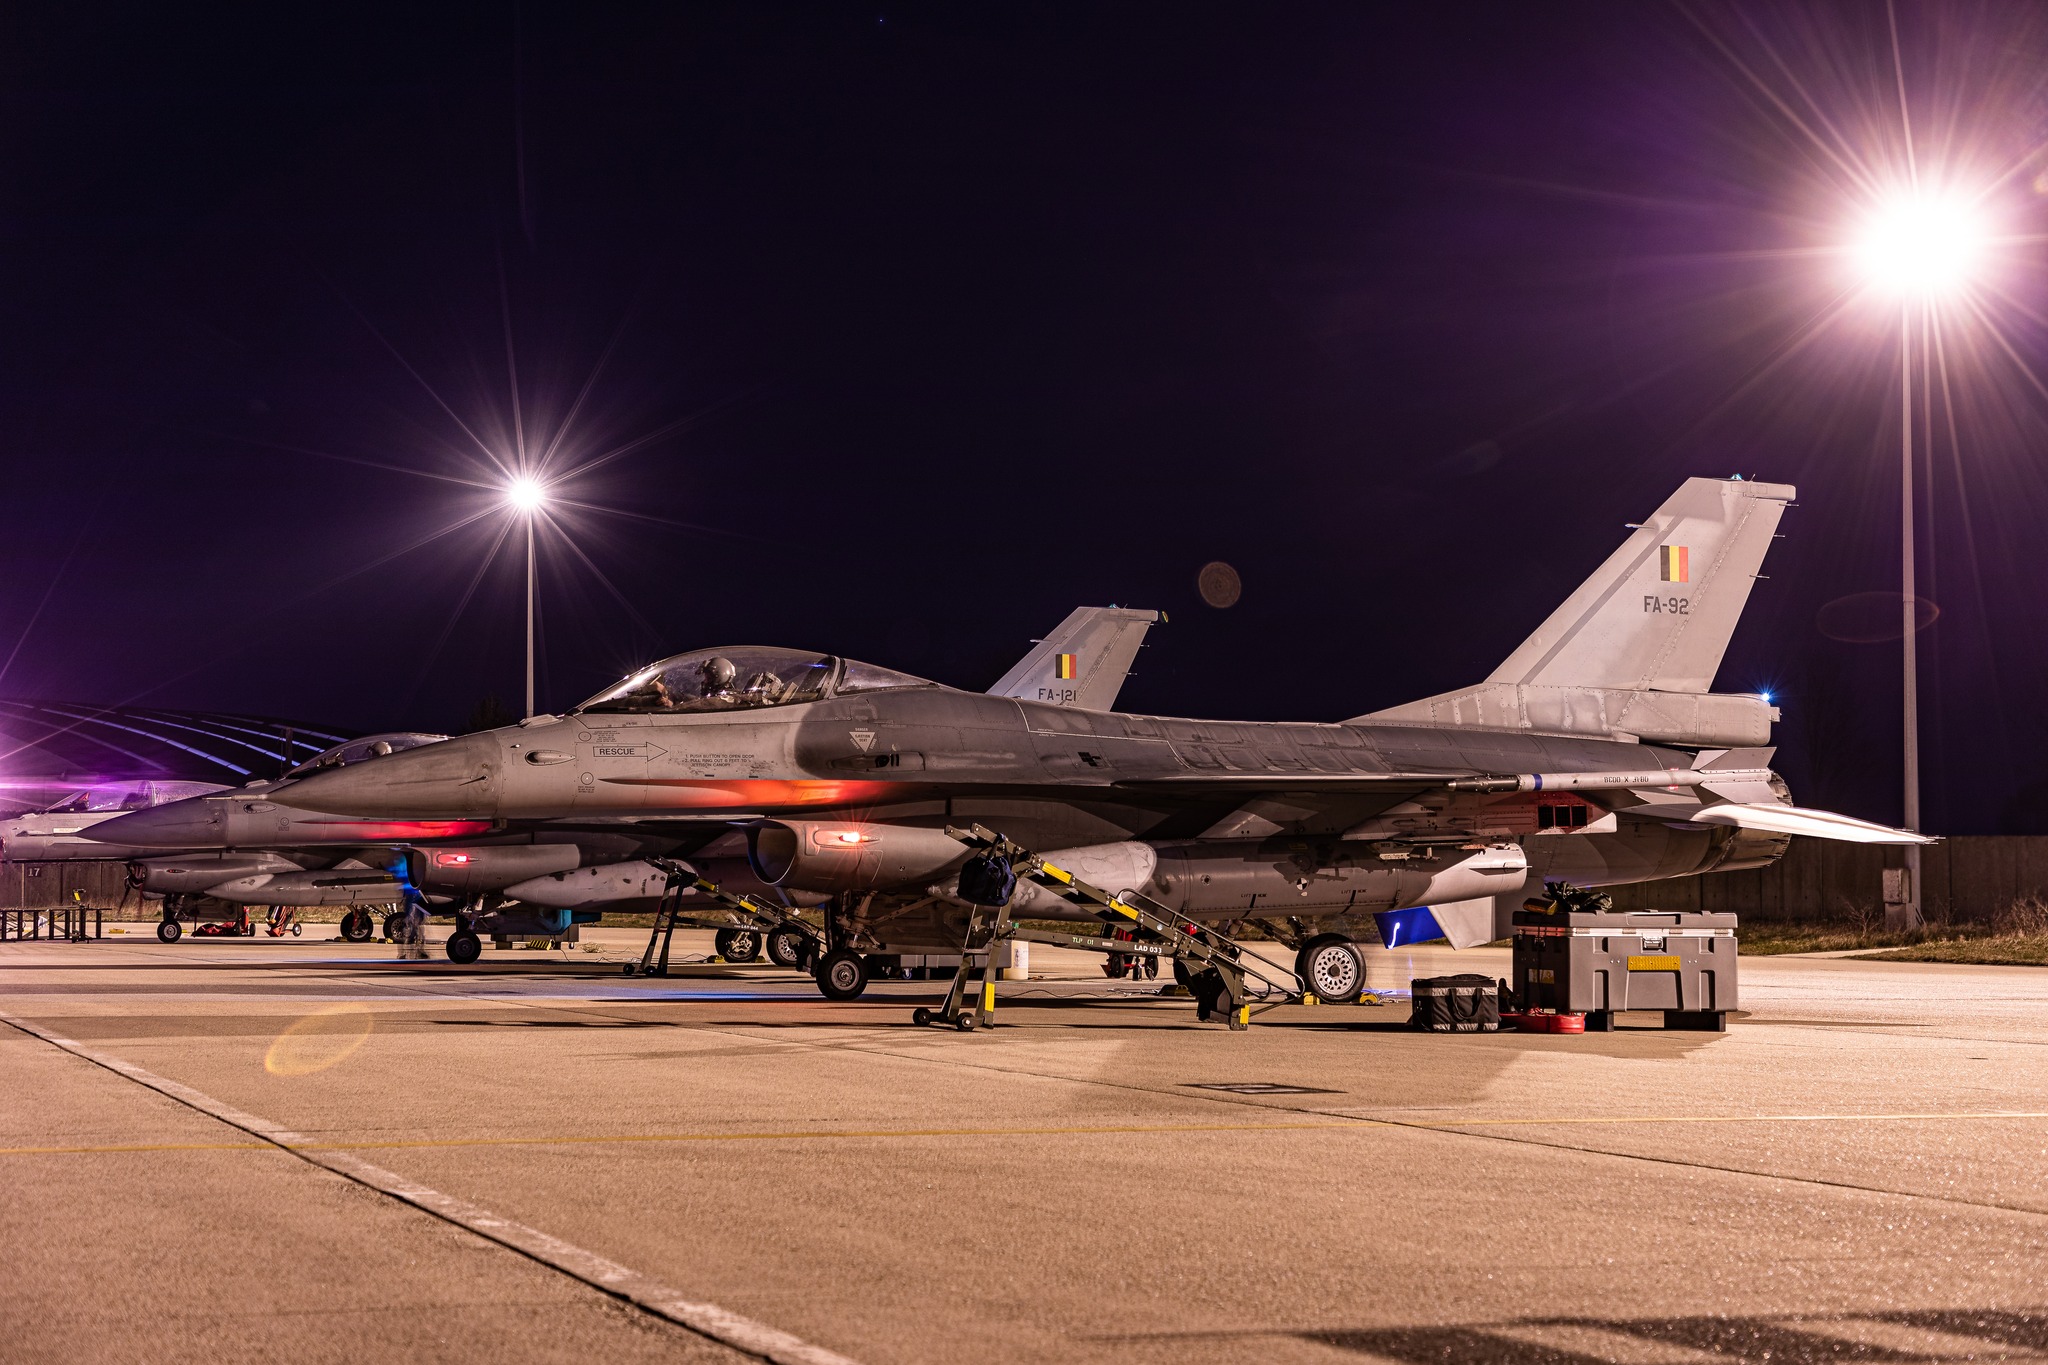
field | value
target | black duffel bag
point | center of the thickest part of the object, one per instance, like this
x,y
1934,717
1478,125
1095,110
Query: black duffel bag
x,y
987,879
1466,1003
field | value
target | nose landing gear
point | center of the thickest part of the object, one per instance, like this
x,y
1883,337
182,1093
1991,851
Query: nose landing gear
x,y
842,974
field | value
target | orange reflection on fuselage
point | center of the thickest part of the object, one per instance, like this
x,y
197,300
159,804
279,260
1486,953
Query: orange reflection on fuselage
x,y
754,793
393,831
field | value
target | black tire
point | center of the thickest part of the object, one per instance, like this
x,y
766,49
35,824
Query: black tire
x,y
965,1023
169,930
357,928
921,1017
786,948
1331,968
842,975
393,922
738,945
464,947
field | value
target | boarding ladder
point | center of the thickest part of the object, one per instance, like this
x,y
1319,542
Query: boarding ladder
x,y
1223,968
742,911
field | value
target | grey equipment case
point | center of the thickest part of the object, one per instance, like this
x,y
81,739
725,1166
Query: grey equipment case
x,y
1466,1003
1598,964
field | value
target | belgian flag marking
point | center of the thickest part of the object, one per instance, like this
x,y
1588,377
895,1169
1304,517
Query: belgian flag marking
x,y
1673,565
1066,666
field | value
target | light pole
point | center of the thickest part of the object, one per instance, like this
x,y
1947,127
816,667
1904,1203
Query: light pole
x,y
527,495
1919,248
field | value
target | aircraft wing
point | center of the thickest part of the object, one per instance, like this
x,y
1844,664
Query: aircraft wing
x,y
1084,662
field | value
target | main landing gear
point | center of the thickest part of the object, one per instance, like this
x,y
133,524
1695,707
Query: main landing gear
x,y
1331,969
357,926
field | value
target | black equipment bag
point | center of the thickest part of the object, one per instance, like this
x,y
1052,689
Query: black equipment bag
x,y
1466,1003
987,879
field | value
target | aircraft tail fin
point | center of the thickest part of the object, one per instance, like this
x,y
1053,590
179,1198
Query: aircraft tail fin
x,y
1084,662
1634,650
1659,613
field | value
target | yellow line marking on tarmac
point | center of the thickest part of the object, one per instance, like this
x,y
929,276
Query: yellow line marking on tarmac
x,y
798,1135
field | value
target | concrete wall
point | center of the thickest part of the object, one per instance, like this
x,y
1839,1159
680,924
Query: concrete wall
x,y
1965,878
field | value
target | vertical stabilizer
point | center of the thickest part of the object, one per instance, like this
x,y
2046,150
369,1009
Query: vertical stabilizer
x,y
1659,613
1082,664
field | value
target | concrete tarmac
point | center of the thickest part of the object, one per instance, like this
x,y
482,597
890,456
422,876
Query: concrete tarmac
x,y
1853,1172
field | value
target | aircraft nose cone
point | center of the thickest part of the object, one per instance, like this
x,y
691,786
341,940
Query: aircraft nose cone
x,y
455,777
192,823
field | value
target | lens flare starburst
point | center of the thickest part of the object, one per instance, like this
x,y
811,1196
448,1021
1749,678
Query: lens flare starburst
x,y
1920,246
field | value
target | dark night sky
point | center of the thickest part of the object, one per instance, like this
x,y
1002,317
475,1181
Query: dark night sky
x,y
938,320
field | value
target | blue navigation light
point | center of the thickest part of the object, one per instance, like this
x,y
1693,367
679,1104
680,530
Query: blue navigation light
x,y
1766,696
1398,928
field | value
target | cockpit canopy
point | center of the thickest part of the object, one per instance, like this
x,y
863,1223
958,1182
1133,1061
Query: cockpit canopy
x,y
369,746
138,795
744,677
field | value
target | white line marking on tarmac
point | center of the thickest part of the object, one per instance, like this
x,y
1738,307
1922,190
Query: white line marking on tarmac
x,y
707,1319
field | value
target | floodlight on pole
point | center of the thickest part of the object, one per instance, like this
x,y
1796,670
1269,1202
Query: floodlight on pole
x,y
1920,247
1917,249
527,495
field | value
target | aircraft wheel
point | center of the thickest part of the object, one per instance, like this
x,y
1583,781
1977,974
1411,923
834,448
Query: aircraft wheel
x,y
464,947
921,1017
356,927
842,975
168,930
738,945
393,922
786,948
1331,967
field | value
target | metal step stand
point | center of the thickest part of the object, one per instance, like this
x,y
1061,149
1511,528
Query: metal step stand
x,y
1227,999
742,911
977,953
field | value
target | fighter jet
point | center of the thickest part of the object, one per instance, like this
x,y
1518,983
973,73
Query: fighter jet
x,y
245,846
1596,754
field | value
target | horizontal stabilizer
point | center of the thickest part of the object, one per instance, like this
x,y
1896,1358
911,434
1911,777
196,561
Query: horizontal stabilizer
x,y
1814,824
